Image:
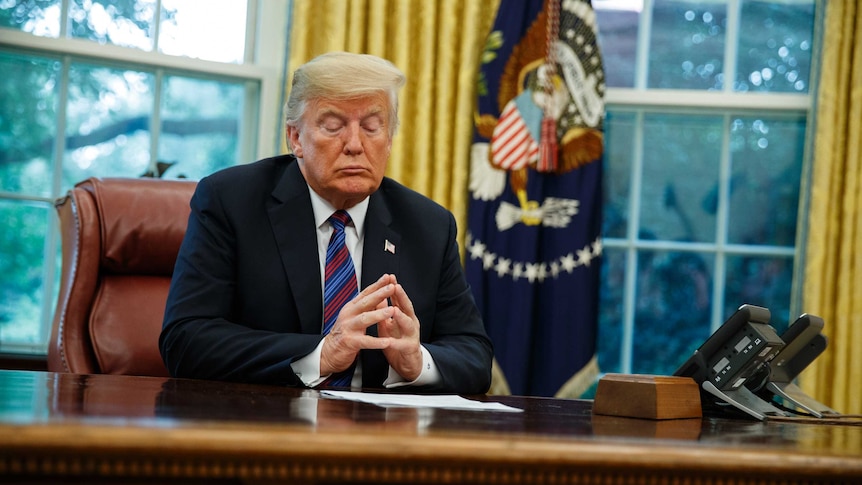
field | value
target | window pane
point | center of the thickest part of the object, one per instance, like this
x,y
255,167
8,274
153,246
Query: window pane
x,y
687,44
200,121
762,281
672,309
128,23
775,46
213,30
767,165
38,17
618,35
28,123
22,259
680,177
108,121
619,153
610,336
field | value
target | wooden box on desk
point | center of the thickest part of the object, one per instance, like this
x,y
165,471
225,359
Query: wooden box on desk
x,y
646,396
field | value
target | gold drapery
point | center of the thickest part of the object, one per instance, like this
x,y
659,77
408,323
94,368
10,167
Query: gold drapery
x,y
437,45
832,286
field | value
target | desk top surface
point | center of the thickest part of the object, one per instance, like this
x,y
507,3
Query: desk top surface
x,y
53,412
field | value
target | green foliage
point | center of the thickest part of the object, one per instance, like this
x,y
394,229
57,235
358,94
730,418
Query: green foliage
x,y
493,42
27,114
23,14
22,244
107,133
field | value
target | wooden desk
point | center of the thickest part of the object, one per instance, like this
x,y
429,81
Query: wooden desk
x,y
64,427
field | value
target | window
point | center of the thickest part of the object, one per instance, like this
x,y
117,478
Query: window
x,y
165,88
707,111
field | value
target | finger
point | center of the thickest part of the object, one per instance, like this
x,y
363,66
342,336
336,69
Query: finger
x,y
388,328
403,346
372,342
367,301
406,326
373,287
340,351
367,319
385,279
336,354
402,301
382,304
393,280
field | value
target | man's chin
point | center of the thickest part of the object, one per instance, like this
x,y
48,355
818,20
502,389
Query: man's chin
x,y
359,184
355,192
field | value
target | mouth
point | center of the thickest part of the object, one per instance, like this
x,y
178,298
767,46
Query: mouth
x,y
353,170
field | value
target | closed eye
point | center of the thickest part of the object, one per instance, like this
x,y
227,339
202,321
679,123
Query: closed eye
x,y
331,128
372,125
331,124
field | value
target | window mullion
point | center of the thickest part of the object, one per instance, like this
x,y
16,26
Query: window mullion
x,y
731,44
642,54
252,27
60,136
629,304
156,120
630,292
636,179
157,25
246,148
719,278
49,268
64,18
49,273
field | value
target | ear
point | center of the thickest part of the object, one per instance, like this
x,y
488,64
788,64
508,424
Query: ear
x,y
293,141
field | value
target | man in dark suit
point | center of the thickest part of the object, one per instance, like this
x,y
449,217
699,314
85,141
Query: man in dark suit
x,y
247,298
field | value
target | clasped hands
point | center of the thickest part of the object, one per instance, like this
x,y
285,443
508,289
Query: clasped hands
x,y
397,330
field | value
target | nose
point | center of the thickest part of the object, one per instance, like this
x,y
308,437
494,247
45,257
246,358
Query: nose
x,y
353,139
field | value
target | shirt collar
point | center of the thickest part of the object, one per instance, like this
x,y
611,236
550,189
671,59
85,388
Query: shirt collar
x,y
323,209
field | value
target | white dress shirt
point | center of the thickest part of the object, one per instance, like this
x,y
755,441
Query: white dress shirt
x,y
308,368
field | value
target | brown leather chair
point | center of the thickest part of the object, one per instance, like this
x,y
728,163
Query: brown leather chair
x,y
120,239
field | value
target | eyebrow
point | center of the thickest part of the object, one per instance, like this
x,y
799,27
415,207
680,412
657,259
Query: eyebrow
x,y
331,111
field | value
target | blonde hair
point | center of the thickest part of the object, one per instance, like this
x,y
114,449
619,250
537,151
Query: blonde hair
x,y
343,75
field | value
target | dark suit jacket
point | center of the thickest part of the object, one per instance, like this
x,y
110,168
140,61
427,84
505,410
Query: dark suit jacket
x,y
245,299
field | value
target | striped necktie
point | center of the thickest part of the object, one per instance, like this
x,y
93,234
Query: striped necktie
x,y
339,285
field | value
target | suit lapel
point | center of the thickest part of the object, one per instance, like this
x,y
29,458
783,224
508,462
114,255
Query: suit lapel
x,y
292,221
379,256
380,251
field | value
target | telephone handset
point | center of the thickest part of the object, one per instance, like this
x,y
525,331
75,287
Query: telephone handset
x,y
731,356
804,342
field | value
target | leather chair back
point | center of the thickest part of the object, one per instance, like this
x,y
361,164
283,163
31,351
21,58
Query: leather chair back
x,y
120,240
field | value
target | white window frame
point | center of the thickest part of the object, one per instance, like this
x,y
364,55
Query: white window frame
x,y
640,99
260,134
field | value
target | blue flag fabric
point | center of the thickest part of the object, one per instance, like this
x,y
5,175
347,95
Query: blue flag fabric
x,y
534,219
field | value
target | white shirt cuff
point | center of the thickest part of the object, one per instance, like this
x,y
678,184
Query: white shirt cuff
x,y
308,368
428,375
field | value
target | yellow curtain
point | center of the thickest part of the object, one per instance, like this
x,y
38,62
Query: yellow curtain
x,y
832,286
437,44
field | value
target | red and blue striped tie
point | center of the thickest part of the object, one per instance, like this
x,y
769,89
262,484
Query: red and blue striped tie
x,y
339,285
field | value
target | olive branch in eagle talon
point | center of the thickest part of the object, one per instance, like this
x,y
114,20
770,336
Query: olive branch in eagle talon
x,y
554,212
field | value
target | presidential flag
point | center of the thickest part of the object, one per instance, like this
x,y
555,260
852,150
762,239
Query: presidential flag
x,y
534,219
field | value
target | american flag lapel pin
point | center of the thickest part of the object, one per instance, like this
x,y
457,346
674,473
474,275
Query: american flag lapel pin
x,y
389,247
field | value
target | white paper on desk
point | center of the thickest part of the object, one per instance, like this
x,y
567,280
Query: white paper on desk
x,y
417,401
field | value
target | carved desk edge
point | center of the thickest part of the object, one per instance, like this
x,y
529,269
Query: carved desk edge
x,y
282,452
